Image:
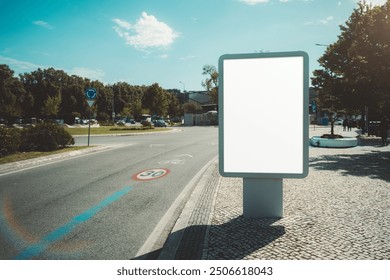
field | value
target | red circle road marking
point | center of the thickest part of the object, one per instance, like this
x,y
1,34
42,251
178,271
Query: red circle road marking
x,y
150,174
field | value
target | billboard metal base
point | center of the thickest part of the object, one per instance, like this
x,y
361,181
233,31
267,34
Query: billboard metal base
x,y
263,198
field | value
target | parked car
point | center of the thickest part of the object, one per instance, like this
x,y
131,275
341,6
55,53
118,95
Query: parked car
x,y
130,120
159,123
121,122
339,122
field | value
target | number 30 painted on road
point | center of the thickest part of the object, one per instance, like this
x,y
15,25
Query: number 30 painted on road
x,y
150,174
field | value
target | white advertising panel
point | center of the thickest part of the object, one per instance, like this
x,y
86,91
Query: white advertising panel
x,y
263,103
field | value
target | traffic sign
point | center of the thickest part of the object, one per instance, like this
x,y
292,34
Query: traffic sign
x,y
90,93
90,102
314,106
150,174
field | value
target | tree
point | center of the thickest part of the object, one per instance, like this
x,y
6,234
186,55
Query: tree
x,y
43,84
156,100
173,105
331,98
51,106
13,97
192,108
211,82
357,66
72,98
128,98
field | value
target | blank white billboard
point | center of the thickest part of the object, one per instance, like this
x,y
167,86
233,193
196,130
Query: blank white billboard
x,y
263,101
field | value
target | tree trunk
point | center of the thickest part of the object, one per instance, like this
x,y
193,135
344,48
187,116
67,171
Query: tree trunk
x,y
332,120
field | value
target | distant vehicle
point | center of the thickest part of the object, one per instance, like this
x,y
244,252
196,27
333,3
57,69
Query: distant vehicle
x,y
339,122
77,120
146,117
160,123
121,122
176,119
130,120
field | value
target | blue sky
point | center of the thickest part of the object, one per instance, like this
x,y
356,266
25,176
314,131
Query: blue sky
x,y
165,41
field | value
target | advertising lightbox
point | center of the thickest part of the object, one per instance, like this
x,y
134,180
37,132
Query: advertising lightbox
x,y
263,115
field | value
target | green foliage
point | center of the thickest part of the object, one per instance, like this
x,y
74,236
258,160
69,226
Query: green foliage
x,y
211,82
12,94
147,124
157,100
45,137
356,68
51,93
192,108
51,106
10,140
103,117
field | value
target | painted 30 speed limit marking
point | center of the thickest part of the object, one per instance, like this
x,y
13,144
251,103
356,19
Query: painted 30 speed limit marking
x,y
150,174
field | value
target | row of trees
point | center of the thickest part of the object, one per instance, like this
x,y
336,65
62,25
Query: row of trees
x,y
51,93
355,78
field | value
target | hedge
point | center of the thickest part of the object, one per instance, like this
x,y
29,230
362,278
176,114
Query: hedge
x,y
42,137
9,140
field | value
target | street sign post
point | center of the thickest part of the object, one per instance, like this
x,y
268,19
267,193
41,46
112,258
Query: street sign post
x,y
263,125
91,95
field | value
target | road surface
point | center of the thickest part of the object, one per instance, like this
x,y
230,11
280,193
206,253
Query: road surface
x,y
103,205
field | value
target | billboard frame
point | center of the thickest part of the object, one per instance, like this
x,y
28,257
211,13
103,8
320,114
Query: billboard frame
x,y
304,146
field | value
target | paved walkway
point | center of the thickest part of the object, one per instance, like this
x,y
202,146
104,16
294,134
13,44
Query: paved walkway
x,y
341,210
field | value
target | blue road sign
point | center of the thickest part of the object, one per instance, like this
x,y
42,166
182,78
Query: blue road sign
x,y
314,106
90,93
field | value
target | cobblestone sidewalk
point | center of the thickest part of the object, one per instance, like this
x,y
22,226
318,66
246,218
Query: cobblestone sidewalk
x,y
341,210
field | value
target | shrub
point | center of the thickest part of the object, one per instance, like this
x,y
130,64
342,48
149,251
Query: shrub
x,y
146,124
103,117
45,137
10,139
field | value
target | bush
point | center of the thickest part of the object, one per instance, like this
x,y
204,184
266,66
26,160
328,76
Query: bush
x,y
10,140
146,124
45,137
103,117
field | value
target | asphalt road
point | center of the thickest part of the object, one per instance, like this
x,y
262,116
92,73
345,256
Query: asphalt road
x,y
102,205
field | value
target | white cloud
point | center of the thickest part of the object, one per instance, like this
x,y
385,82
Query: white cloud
x,y
324,21
93,74
146,33
254,2
43,24
188,57
19,66
372,2
376,2
122,24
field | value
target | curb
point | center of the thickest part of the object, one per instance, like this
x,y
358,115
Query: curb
x,y
162,233
130,133
11,167
188,236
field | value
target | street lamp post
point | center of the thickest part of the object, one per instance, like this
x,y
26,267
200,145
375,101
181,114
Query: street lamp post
x,y
184,86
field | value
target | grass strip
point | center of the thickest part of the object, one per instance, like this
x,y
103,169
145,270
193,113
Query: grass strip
x,y
30,155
